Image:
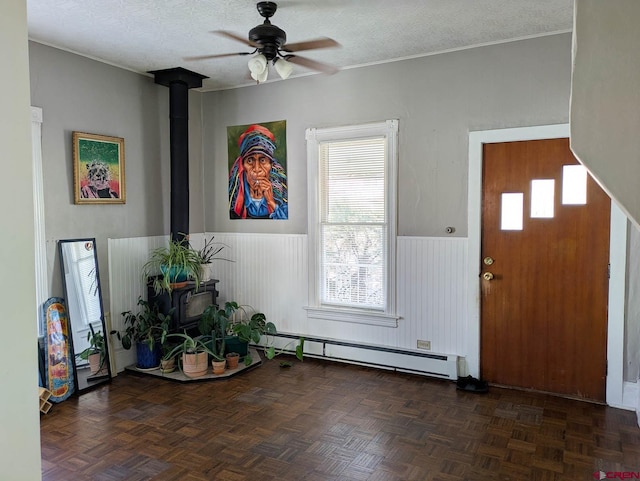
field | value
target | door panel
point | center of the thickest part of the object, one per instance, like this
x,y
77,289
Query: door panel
x,y
544,312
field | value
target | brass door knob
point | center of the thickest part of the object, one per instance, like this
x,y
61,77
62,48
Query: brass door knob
x,y
487,276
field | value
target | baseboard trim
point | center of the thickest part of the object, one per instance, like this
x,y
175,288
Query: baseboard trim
x,y
631,398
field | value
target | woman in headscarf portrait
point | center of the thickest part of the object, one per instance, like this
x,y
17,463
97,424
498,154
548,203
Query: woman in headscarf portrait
x,y
257,180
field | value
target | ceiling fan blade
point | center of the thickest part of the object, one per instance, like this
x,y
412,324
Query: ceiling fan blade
x,y
237,38
206,57
323,42
312,64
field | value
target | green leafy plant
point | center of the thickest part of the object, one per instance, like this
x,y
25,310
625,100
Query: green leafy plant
x,y
214,325
97,345
271,351
167,349
252,329
175,263
210,250
234,319
186,344
148,326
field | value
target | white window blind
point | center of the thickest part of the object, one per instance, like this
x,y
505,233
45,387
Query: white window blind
x,y
353,222
352,176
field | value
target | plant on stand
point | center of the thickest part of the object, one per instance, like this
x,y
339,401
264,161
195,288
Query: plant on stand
x,y
251,329
213,326
255,329
208,254
234,319
168,360
194,354
173,266
147,330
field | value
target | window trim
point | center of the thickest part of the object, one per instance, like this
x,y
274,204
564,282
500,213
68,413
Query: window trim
x,y
314,137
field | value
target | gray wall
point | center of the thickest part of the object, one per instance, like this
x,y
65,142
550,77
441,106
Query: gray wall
x,y
80,94
437,100
605,120
19,416
605,108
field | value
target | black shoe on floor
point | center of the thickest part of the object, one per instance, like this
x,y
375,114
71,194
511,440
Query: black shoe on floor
x,y
471,384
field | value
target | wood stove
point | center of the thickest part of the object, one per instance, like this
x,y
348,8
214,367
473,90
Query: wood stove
x,y
188,303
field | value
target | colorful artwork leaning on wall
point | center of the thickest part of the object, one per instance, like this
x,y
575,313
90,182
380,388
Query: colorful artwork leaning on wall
x,y
257,176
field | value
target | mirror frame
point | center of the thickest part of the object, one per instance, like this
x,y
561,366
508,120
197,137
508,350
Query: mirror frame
x,y
82,385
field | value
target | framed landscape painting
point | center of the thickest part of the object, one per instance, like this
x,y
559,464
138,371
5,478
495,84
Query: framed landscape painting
x,y
98,169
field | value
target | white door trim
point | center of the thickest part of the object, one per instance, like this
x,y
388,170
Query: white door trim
x,y
42,284
617,256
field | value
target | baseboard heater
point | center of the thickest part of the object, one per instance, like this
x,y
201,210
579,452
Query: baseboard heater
x,y
444,366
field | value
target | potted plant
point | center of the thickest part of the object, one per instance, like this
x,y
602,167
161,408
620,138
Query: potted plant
x,y
251,329
234,319
95,354
213,326
172,266
147,330
233,360
168,360
194,353
207,254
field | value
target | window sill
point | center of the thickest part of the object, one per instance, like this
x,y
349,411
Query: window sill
x,y
353,316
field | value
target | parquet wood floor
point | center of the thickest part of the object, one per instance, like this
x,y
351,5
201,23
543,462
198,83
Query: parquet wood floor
x,y
322,421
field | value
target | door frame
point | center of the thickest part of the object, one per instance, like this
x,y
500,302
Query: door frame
x,y
617,257
41,278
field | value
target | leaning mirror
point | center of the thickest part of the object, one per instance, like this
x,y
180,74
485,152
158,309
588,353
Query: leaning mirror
x,y
81,280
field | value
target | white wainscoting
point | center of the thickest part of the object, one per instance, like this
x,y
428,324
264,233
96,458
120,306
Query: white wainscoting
x,y
432,292
270,273
126,258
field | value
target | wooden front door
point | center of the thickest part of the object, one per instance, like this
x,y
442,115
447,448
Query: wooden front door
x,y
544,278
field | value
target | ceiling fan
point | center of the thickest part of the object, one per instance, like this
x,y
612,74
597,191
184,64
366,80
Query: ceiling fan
x,y
269,43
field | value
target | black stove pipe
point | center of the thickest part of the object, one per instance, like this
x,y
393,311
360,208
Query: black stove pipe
x,y
179,81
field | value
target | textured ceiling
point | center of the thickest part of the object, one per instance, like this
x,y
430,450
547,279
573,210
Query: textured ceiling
x,y
144,35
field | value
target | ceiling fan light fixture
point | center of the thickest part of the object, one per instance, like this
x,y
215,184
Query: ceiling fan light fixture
x,y
283,68
258,66
269,43
261,77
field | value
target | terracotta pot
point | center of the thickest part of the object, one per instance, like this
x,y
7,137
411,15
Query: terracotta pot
x,y
195,365
94,363
232,360
168,365
218,366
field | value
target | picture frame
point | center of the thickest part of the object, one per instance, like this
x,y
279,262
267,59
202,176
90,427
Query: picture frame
x,y
98,169
258,182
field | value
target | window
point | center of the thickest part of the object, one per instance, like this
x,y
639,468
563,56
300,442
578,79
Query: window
x,y
512,211
542,198
574,185
352,222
